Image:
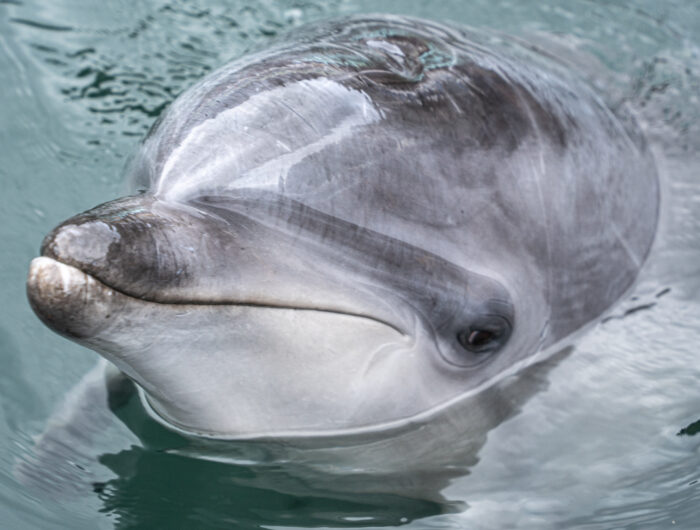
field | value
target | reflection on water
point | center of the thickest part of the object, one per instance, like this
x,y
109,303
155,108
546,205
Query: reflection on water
x,y
157,489
159,484
604,437
163,478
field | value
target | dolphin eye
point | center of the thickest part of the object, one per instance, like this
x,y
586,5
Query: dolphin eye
x,y
484,336
473,337
476,338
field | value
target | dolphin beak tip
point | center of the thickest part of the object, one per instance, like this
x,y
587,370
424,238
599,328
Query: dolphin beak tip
x,y
60,295
49,280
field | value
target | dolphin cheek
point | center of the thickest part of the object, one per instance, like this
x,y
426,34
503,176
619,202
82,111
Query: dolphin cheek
x,y
235,370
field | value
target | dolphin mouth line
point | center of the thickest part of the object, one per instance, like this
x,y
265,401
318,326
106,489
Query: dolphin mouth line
x,y
231,303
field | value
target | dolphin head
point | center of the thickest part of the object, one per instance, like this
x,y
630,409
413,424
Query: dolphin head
x,y
352,230
259,316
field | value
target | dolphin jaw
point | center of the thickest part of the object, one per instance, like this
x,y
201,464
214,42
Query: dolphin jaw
x,y
83,309
70,301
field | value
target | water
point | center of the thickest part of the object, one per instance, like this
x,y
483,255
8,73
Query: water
x,y
609,437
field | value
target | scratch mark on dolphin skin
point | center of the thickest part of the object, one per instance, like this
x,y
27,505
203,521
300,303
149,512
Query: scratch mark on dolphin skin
x,y
301,116
118,216
454,103
538,170
625,245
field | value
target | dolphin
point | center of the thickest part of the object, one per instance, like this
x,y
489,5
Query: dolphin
x,y
350,231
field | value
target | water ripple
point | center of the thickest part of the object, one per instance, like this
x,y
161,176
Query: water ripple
x,y
131,68
612,441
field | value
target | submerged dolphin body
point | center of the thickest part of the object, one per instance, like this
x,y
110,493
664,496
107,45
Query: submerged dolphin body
x,y
351,230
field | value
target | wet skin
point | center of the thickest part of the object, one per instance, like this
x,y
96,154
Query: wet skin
x,y
355,228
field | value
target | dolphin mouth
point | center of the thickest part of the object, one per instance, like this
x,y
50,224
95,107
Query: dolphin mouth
x,y
72,301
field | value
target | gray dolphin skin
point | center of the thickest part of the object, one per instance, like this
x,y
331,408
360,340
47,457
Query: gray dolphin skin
x,y
357,227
